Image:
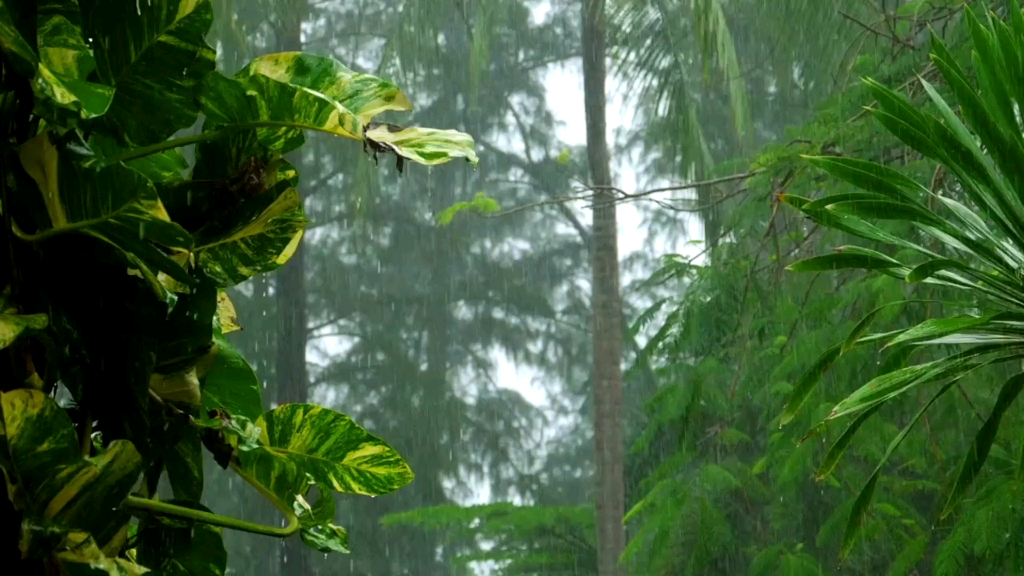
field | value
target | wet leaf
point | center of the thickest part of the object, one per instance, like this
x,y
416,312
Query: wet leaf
x,y
115,204
60,486
231,384
154,54
304,440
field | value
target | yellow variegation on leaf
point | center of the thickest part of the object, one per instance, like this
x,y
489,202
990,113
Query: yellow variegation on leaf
x,y
300,443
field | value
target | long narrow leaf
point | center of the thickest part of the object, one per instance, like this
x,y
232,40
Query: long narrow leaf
x,y
975,457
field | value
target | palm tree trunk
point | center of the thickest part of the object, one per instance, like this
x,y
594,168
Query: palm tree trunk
x,y
290,368
607,305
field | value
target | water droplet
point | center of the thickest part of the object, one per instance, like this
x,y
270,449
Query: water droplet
x,y
138,8
188,198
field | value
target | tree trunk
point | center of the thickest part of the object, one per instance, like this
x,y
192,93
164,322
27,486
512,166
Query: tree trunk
x,y
290,294
607,305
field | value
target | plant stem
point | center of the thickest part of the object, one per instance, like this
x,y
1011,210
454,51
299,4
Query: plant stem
x,y
165,509
220,132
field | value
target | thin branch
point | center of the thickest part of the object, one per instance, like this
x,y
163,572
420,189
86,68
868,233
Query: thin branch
x,y
625,196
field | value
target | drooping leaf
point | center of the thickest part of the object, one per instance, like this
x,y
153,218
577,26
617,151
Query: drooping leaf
x,y
835,452
176,548
300,440
427,146
115,204
154,54
843,260
978,452
863,501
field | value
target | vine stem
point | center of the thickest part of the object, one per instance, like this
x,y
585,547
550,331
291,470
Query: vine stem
x,y
159,508
220,132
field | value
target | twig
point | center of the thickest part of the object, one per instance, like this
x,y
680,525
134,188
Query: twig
x,y
876,31
623,194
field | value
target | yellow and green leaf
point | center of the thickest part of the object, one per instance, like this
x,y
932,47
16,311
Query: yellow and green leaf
x,y
154,54
60,487
114,203
301,443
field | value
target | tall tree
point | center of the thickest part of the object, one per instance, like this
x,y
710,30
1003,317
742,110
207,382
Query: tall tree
x,y
607,305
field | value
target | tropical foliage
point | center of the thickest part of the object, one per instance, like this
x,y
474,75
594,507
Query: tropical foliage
x,y
965,235
119,252
717,487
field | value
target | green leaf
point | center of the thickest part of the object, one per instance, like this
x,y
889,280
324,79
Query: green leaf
x,y
115,204
184,465
886,210
81,556
303,442
863,501
176,548
260,236
154,54
976,455
14,45
835,452
871,177
886,386
481,204
187,333
938,327
426,146
65,63
13,325
60,486
227,318
363,95
318,529
843,260
230,383
162,167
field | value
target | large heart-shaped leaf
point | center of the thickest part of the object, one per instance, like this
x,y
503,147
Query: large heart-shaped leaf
x,y
280,95
65,63
61,487
114,203
176,548
283,94
303,442
154,53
